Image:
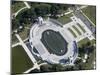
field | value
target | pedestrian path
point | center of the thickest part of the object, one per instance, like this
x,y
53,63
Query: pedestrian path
x,y
14,45
35,67
26,6
26,49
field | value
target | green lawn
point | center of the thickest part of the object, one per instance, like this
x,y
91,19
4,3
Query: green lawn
x,y
90,12
81,27
14,39
84,41
20,60
93,41
24,33
72,32
16,5
65,19
77,30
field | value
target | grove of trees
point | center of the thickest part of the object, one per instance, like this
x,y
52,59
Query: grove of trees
x,y
38,9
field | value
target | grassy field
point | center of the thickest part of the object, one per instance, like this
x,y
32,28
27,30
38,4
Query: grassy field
x,y
16,5
90,12
84,41
20,60
65,19
77,30
72,32
24,33
14,39
54,42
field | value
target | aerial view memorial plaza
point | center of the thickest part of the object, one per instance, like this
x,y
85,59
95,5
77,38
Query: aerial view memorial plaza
x,y
52,37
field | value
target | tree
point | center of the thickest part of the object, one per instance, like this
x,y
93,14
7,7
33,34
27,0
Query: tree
x,y
45,68
34,71
15,24
42,9
63,6
54,9
57,67
88,43
27,16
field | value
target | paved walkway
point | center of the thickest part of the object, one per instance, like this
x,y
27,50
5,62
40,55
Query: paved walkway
x,y
70,11
35,67
83,35
26,49
14,45
29,54
26,6
87,17
86,21
80,9
15,14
